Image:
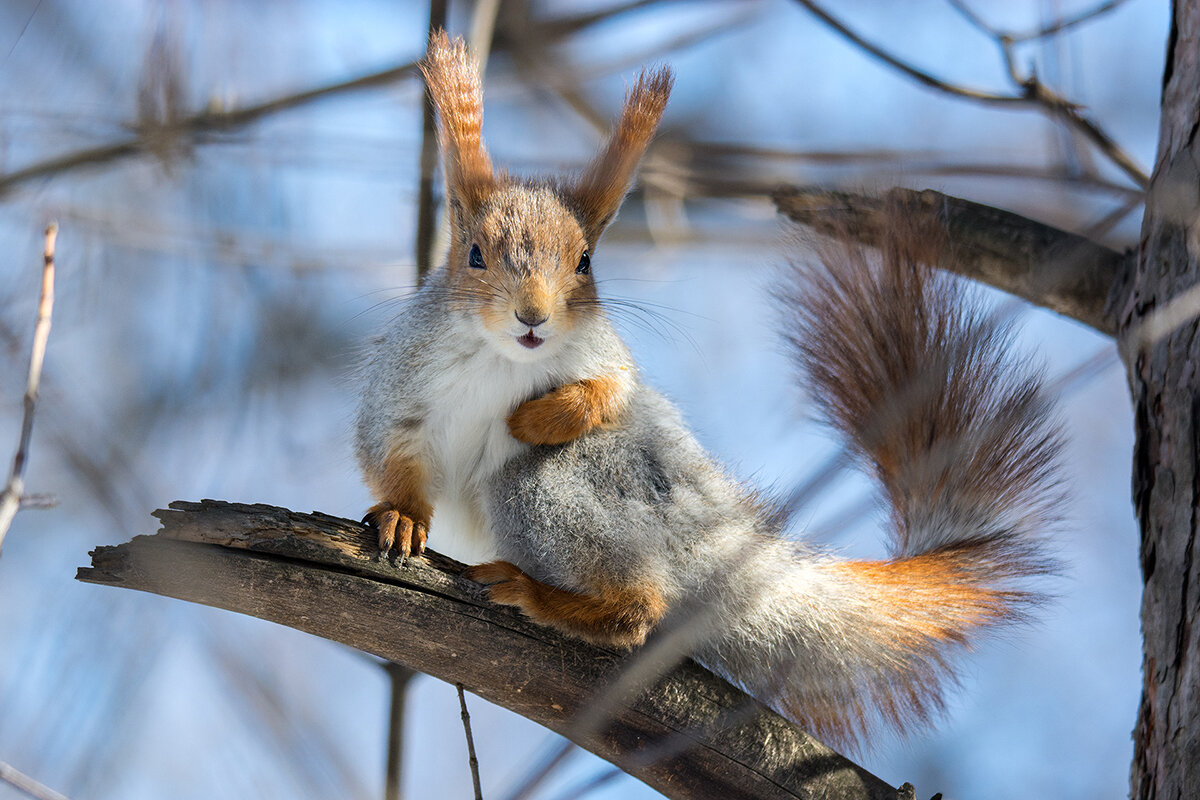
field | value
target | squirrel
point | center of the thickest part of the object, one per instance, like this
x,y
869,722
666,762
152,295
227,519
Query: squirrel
x,y
502,390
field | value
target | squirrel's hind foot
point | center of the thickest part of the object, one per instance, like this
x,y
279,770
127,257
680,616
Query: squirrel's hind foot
x,y
618,618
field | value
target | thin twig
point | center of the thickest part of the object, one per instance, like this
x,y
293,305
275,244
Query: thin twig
x,y
589,785
198,125
23,783
39,501
918,75
1058,26
10,499
471,759
399,676
1066,22
1031,91
816,482
426,205
542,768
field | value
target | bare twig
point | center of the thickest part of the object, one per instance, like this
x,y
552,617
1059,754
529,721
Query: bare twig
x,y
1084,372
399,677
561,27
708,160
922,77
211,121
24,28
541,769
1058,26
1031,91
10,499
817,481
426,207
39,501
26,784
589,785
471,759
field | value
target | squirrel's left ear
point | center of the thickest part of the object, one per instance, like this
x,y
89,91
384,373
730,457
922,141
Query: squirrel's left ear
x,y
600,189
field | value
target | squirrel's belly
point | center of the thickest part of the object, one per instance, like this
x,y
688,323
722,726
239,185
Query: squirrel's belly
x,y
460,530
467,444
467,440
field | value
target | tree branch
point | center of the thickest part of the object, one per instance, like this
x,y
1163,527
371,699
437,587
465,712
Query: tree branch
x,y
14,490
1061,271
193,127
1031,91
27,785
318,574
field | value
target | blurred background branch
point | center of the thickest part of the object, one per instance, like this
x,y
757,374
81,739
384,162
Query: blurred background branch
x,y
26,785
1030,89
152,132
14,490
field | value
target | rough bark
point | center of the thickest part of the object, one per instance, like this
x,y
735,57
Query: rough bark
x,y
690,735
1164,376
1055,269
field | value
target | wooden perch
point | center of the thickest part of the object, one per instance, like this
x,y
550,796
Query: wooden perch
x,y
319,574
1061,271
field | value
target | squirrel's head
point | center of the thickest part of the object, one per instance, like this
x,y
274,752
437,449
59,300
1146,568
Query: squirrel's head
x,y
520,251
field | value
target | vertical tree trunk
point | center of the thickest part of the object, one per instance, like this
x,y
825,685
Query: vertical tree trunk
x,y
1161,346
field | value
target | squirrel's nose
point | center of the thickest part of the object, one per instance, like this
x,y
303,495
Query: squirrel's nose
x,y
531,318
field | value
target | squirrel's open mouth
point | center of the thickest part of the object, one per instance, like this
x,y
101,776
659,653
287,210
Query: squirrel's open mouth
x,y
530,340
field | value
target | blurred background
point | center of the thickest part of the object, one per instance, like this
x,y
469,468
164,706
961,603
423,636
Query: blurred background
x,y
218,270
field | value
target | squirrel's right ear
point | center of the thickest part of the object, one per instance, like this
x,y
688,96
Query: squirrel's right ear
x,y
599,191
452,76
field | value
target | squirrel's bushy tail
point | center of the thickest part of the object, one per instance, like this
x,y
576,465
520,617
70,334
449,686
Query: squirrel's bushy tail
x,y
923,385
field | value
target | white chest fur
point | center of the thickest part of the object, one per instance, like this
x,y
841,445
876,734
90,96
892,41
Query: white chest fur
x,y
467,439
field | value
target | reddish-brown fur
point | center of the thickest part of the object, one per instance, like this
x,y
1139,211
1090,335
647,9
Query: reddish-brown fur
x,y
453,82
917,605
568,412
403,513
531,237
938,600
614,616
532,245
599,191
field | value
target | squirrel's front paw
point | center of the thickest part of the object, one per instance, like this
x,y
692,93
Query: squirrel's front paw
x,y
560,415
507,584
404,533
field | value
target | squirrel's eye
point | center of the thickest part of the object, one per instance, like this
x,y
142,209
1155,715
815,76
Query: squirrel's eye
x,y
475,259
585,264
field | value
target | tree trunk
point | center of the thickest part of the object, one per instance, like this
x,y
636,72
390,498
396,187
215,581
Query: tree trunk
x,y
1159,341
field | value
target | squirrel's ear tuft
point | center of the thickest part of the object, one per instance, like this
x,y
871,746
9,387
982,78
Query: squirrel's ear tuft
x,y
452,76
600,189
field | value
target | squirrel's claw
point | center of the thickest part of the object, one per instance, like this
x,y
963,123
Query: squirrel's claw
x,y
399,533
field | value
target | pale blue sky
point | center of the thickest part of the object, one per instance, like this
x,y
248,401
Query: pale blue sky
x,y
207,315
